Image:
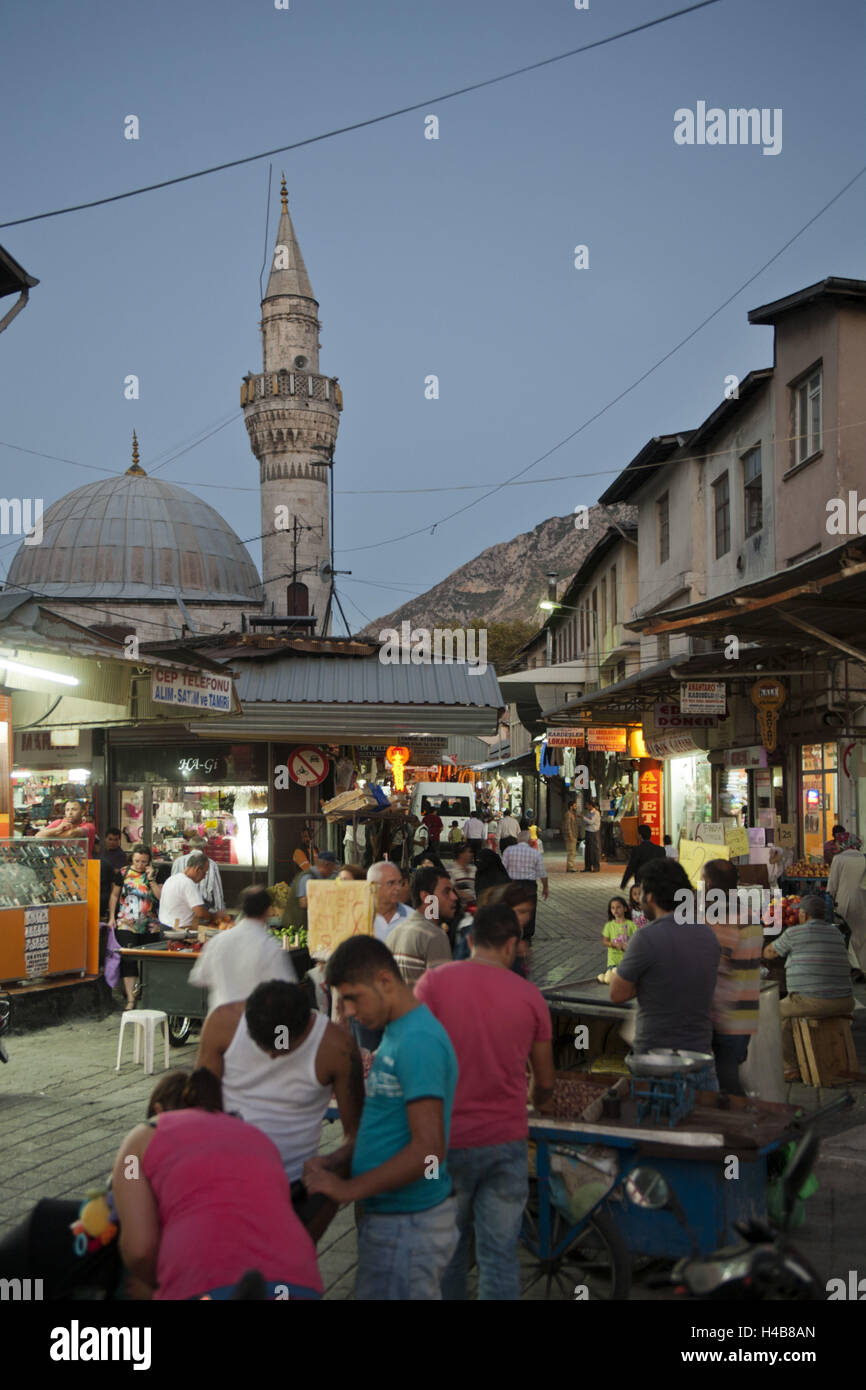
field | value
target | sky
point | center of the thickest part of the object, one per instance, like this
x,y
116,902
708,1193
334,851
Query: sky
x,y
452,257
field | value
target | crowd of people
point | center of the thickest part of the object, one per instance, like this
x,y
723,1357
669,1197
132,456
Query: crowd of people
x,y
430,1041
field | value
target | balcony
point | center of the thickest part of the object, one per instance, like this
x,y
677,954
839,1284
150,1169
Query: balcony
x,y
297,386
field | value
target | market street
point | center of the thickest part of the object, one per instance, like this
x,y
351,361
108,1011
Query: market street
x,y
64,1110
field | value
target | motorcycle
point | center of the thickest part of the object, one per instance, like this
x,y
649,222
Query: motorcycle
x,y
5,1017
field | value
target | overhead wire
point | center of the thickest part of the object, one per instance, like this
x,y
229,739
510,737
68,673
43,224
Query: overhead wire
x,y
370,121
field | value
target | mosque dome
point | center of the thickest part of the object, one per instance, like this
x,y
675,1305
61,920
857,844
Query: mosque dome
x,y
135,537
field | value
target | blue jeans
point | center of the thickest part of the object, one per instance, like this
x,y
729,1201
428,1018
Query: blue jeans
x,y
404,1255
491,1185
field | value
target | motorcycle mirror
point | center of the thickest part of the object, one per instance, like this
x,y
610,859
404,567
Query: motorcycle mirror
x,y
801,1163
646,1188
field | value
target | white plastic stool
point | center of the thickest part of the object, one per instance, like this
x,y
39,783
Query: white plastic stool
x,y
144,1022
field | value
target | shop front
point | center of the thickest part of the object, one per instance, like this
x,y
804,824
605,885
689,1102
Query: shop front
x,y
819,796
749,786
49,768
182,796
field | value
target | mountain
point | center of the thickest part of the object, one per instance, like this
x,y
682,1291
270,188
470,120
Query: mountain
x,y
506,581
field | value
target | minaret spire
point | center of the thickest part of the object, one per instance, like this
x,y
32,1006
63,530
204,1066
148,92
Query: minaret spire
x,y
288,272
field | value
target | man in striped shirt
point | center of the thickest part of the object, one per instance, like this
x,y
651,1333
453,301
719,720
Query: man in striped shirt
x,y
817,973
736,1002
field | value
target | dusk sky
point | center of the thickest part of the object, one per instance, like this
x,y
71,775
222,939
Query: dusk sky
x,y
452,257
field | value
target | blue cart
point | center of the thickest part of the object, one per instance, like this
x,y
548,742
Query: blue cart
x,y
716,1163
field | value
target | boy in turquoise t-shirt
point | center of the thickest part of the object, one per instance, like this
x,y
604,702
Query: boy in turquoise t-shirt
x,y
407,1227
616,933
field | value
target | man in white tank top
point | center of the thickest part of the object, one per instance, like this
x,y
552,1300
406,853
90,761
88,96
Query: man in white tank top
x,y
279,1062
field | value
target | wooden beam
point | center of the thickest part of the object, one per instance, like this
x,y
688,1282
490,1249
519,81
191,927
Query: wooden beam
x,y
824,636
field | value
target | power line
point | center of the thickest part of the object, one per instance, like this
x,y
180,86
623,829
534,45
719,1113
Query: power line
x,y
392,540
361,125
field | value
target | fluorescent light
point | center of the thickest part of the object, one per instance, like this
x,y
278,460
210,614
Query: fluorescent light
x,y
19,670
548,605
79,774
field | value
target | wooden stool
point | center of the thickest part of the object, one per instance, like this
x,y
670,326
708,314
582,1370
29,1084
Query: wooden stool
x,y
825,1049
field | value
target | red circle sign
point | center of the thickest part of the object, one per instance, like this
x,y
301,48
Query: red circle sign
x,y
308,766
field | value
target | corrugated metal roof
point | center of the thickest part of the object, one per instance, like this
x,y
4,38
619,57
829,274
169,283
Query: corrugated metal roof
x,y
364,681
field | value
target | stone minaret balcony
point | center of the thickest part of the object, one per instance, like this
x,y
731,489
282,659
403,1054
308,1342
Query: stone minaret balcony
x,y
299,387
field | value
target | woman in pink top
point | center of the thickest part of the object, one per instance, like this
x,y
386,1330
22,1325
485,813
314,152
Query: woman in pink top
x,y
202,1198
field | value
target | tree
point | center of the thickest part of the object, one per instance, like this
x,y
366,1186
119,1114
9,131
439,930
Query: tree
x,y
504,639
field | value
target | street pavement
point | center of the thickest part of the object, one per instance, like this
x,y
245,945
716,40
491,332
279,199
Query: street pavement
x,y
64,1109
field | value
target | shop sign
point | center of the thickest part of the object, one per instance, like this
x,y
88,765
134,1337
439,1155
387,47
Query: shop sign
x,y
567,738
606,740
193,689
39,748
745,757
36,941
232,764
649,789
669,716
702,697
672,746
785,834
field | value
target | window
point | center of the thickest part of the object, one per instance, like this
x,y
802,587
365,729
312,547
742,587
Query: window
x,y
663,646
663,529
752,491
603,611
613,595
582,636
593,634
807,417
722,511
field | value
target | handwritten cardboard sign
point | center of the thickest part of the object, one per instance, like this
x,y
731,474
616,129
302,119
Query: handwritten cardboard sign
x,y
336,911
785,834
737,841
710,832
694,855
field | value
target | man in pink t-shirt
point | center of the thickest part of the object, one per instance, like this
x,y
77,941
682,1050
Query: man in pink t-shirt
x,y
73,826
496,1021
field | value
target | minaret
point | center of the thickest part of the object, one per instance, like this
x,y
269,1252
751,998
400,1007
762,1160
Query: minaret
x,y
292,416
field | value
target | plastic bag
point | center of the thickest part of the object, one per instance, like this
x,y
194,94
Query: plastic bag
x,y
111,968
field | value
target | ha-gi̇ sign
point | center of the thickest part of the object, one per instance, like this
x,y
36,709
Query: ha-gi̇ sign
x,y
199,690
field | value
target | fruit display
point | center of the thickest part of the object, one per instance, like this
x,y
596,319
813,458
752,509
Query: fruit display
x,y
297,936
790,912
808,868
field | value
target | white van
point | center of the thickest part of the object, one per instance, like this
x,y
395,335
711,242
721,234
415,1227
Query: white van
x,y
451,801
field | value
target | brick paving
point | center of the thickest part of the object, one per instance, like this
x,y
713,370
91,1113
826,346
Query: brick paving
x,y
64,1110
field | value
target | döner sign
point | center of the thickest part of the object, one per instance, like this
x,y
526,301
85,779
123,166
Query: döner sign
x,y
196,690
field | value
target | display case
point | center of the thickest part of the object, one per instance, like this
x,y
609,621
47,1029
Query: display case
x,y
42,873
49,895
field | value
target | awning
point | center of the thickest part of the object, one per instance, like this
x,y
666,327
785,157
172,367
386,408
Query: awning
x,y
525,762
672,746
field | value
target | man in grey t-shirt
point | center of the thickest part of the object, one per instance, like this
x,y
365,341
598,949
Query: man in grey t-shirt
x,y
670,966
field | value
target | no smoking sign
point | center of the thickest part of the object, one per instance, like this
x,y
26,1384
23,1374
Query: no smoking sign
x,y
308,766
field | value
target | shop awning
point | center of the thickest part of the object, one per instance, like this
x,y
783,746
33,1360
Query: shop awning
x,y
816,606
524,762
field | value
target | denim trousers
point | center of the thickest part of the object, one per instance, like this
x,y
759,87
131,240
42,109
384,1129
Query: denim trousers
x,y
403,1255
491,1184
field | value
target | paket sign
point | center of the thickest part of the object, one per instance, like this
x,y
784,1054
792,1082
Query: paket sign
x,y
203,690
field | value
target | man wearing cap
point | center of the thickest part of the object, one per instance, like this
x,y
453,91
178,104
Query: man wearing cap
x,y
325,866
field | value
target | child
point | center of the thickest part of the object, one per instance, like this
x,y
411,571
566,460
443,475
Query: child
x,y
638,916
455,835
617,930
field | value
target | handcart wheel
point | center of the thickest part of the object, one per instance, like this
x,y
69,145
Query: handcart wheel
x,y
597,1259
178,1029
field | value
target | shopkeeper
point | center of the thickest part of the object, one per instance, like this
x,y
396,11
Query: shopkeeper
x,y
73,826
181,903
